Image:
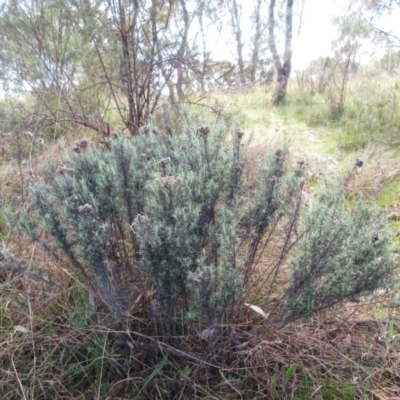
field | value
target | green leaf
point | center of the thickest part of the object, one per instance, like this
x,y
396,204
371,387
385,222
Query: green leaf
x,y
290,371
156,371
185,372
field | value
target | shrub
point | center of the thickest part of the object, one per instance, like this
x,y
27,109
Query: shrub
x,y
178,211
342,254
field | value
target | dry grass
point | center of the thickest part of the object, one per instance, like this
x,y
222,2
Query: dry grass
x,y
335,359
381,167
51,349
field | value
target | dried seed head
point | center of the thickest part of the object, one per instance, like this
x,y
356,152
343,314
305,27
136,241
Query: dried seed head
x,y
115,134
164,162
142,221
359,163
30,134
167,181
193,279
170,181
63,170
82,144
239,133
74,197
356,275
203,130
85,209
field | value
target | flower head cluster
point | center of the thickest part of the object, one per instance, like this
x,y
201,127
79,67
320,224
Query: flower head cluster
x,y
203,130
115,134
239,133
81,145
170,181
63,170
193,279
142,222
85,209
164,162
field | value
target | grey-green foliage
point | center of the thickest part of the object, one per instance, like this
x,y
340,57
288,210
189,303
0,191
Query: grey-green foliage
x,y
175,209
169,208
343,253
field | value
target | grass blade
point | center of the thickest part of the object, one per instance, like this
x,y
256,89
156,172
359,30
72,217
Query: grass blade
x,y
155,372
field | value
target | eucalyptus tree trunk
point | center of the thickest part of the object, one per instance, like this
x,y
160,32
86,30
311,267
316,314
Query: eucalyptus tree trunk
x,y
282,66
257,41
127,68
237,30
203,68
182,50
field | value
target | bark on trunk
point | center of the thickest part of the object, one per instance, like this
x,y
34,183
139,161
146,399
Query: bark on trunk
x,y
127,68
181,54
235,18
280,90
257,38
282,69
